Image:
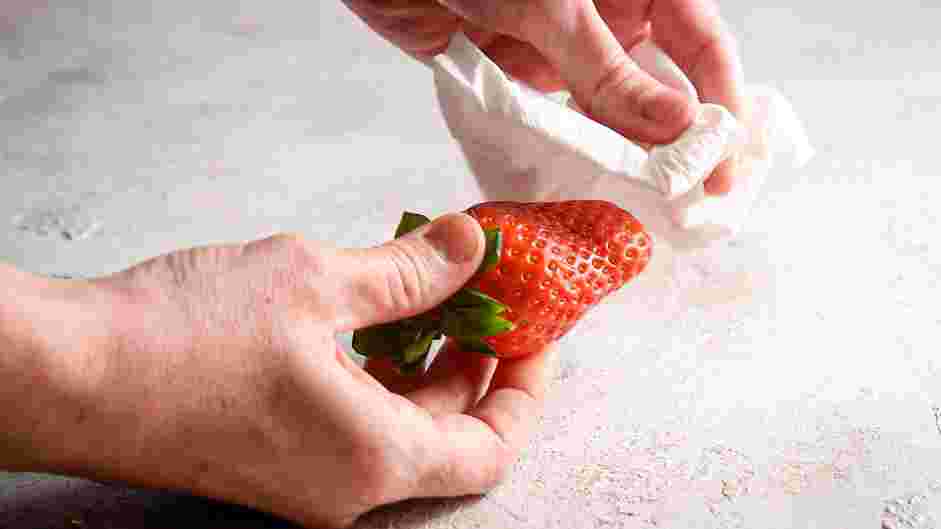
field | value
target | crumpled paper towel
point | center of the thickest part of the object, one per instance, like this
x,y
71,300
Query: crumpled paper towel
x,y
525,145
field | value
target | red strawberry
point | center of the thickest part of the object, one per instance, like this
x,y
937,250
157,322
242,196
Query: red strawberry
x,y
547,264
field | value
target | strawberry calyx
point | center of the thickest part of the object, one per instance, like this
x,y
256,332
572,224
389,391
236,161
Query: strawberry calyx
x,y
467,317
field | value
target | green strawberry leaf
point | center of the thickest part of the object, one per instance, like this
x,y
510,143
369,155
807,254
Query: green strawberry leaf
x,y
467,316
467,298
373,341
475,345
494,247
416,351
478,322
410,222
385,339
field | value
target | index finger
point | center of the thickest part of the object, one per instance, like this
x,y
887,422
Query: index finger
x,y
696,38
482,444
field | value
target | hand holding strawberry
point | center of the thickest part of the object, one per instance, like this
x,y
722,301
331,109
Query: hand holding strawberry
x,y
546,265
215,371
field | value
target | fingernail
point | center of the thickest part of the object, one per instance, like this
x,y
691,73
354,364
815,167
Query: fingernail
x,y
722,178
453,237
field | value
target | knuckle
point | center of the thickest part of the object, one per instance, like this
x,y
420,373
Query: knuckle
x,y
531,18
295,265
450,470
619,78
716,51
298,252
287,237
280,245
503,458
521,19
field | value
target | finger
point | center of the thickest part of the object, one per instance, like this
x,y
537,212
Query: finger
x,y
479,447
420,28
658,64
517,385
455,382
523,62
422,37
406,276
480,36
693,34
606,82
395,8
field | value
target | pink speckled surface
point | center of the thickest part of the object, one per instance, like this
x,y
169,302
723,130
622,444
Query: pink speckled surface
x,y
788,378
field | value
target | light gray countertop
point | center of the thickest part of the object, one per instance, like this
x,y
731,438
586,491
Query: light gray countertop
x,y
789,378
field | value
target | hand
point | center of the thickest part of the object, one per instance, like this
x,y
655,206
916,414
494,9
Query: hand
x,y
226,380
584,46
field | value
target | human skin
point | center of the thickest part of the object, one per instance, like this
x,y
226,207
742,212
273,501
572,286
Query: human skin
x,y
584,46
215,371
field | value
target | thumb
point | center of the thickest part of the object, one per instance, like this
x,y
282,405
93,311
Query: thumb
x,y
406,276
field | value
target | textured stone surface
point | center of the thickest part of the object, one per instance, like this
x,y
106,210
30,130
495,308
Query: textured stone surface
x,y
787,379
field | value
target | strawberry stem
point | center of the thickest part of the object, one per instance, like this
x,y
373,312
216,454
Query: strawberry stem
x,y
468,316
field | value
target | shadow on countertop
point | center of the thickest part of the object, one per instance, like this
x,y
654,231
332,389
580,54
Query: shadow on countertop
x,y
35,501
31,501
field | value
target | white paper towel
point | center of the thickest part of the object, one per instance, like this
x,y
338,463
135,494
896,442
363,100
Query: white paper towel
x,y
524,145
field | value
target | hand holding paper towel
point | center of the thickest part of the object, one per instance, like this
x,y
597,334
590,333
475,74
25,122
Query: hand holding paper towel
x,y
524,145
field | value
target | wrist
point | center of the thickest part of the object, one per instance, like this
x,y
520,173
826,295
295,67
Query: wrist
x,y
55,338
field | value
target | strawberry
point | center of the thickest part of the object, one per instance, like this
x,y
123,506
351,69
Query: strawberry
x,y
546,265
